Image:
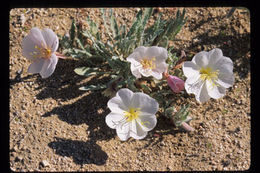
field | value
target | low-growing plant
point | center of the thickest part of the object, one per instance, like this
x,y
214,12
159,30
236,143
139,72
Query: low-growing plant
x,y
111,55
144,71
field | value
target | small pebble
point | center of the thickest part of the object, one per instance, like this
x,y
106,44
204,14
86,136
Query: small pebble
x,y
45,163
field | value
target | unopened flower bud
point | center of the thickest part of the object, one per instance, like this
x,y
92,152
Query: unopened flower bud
x,y
175,83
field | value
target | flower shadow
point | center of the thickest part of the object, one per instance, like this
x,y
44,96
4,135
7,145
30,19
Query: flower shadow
x,y
77,107
18,79
81,152
163,128
90,110
63,84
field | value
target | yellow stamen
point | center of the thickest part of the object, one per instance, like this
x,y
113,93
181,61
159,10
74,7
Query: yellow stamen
x,y
132,114
148,63
43,52
209,74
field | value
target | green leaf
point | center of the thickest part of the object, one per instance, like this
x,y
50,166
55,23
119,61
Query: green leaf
x,y
134,27
85,71
181,115
79,43
177,25
146,88
116,63
124,31
169,112
131,86
81,52
103,12
93,26
140,32
114,26
72,32
88,71
93,87
165,42
147,14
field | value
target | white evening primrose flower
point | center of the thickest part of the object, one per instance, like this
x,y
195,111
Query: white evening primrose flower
x,y
208,75
132,114
40,46
148,61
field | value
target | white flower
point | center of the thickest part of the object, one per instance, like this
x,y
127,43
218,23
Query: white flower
x,y
148,61
208,75
132,114
40,46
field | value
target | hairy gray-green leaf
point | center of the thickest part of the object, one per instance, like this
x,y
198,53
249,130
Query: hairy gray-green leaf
x,y
134,27
72,32
116,63
93,87
85,71
114,26
93,26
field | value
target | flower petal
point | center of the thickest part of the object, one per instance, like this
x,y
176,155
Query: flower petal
x,y
214,56
215,92
157,75
203,95
193,84
161,67
36,66
133,57
138,54
113,119
201,59
141,50
123,131
126,96
136,131
51,39
116,105
224,65
159,53
145,72
34,38
145,103
135,66
49,66
147,121
121,102
190,69
225,80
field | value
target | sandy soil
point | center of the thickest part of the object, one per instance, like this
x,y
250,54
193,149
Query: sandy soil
x,y
56,127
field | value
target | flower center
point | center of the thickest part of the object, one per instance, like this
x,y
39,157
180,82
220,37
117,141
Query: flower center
x,y
209,74
132,114
148,63
42,52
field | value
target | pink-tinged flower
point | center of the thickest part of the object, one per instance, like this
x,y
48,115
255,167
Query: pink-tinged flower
x,y
40,46
176,84
148,61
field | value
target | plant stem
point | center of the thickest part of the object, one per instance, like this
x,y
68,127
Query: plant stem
x,y
187,127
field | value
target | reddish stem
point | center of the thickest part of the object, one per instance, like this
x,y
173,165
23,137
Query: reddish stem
x,y
187,127
60,55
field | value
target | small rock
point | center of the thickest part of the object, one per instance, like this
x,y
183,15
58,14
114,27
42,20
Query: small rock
x,y
23,19
225,163
45,163
15,148
18,159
